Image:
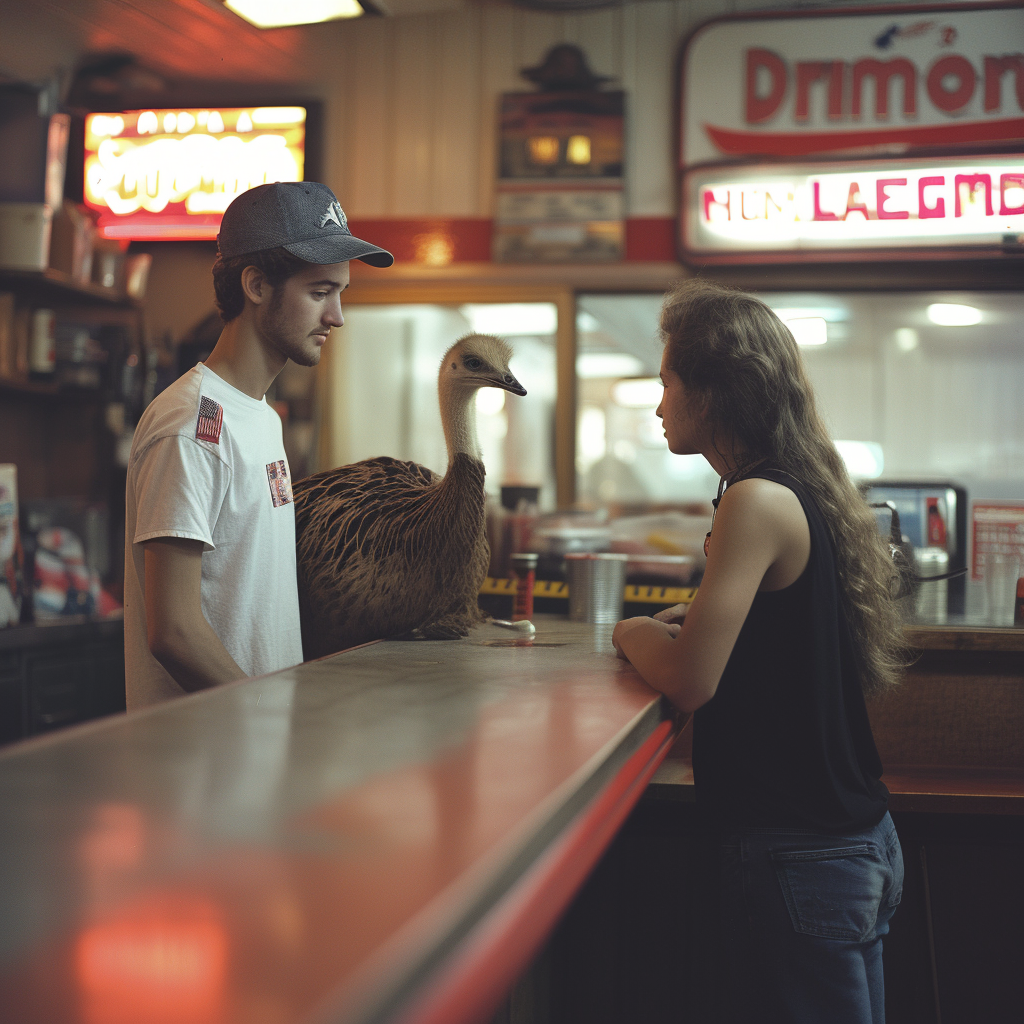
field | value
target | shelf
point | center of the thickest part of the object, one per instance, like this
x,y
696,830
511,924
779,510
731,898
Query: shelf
x,y
58,282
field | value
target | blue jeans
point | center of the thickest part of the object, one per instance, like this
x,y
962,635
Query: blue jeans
x,y
803,915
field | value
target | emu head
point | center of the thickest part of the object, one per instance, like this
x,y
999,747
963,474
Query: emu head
x,y
480,361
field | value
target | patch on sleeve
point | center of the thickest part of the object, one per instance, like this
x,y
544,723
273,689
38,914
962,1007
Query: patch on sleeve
x,y
280,483
211,419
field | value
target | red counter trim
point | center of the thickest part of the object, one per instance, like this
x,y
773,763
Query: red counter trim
x,y
440,241
492,956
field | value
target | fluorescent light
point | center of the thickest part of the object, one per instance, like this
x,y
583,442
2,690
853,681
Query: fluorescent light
x,y
490,401
808,330
592,365
864,459
586,322
637,393
906,339
278,13
512,318
953,314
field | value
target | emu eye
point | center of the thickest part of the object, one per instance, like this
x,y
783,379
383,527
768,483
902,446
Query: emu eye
x,y
472,363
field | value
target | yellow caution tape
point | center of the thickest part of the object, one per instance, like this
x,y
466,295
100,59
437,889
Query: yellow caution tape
x,y
556,588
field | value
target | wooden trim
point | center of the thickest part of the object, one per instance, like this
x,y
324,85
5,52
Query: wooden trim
x,y
966,638
565,401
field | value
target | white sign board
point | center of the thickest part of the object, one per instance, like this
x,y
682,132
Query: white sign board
x,y
906,79
857,206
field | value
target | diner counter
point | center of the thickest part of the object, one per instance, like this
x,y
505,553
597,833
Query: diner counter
x,y
387,834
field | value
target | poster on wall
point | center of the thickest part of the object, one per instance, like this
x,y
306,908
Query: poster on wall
x,y
560,167
780,113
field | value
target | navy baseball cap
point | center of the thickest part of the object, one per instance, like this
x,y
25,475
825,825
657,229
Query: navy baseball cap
x,y
303,217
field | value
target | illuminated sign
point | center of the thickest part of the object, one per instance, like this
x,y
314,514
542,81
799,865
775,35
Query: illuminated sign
x,y
162,174
889,82
797,211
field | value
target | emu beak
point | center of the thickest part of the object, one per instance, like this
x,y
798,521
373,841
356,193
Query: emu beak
x,y
506,382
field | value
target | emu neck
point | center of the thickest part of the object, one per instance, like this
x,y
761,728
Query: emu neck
x,y
458,418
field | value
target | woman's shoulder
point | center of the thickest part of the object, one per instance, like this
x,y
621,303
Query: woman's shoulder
x,y
764,500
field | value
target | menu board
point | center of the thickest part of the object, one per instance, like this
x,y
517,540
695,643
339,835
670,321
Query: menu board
x,y
997,529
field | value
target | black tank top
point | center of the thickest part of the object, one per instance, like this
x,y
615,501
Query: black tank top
x,y
786,741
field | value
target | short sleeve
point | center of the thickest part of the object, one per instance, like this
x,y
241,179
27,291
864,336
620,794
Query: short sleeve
x,y
179,490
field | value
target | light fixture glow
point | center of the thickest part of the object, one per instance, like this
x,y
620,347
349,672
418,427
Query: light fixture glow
x,y
577,151
864,459
906,339
953,314
508,319
490,401
594,365
637,393
279,13
808,330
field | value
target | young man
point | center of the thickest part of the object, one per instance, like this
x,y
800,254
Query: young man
x,y
210,589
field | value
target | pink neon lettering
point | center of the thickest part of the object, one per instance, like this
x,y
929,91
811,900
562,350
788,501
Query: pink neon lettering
x,y
1004,181
882,197
820,214
924,211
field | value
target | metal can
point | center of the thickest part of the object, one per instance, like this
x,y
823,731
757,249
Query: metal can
x,y
524,572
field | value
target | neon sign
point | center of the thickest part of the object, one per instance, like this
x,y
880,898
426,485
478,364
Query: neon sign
x,y
161,174
801,210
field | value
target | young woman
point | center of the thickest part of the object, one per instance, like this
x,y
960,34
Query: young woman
x,y
793,624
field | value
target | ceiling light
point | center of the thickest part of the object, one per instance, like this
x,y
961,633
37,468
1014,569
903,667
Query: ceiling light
x,y
864,459
594,365
490,401
278,13
508,319
808,330
953,314
638,393
906,339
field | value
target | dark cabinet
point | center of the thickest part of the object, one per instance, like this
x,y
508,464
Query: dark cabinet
x,y
55,676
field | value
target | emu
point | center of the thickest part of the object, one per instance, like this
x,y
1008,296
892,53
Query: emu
x,y
387,548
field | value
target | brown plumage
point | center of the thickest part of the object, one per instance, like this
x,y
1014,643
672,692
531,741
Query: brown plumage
x,y
388,548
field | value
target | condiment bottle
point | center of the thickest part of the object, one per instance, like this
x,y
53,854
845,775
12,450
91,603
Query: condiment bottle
x,y
524,571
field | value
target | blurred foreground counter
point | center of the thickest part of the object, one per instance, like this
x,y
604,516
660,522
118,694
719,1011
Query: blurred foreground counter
x,y
388,834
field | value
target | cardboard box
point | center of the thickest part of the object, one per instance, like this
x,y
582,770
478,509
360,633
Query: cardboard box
x,y
25,236
71,242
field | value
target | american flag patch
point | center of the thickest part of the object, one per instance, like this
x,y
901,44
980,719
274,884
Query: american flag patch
x,y
211,417
280,483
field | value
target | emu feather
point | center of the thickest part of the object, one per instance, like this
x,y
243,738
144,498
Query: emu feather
x,y
388,548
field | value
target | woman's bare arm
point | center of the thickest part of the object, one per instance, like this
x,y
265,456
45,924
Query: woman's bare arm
x,y
760,527
180,638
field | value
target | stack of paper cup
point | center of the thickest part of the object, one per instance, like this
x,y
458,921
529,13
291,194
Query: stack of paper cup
x,y
597,584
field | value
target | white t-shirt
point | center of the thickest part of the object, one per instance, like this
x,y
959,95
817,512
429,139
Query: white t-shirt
x,y
208,464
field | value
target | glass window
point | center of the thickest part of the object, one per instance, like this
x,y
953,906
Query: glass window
x,y
911,385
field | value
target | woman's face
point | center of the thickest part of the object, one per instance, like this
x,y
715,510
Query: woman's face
x,y
682,420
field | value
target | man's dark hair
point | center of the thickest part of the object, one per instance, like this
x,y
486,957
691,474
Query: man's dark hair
x,y
277,266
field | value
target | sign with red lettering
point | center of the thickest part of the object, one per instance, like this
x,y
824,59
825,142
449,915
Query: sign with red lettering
x,y
896,81
865,208
809,134
997,530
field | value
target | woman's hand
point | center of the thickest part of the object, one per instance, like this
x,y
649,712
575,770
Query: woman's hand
x,y
674,614
626,625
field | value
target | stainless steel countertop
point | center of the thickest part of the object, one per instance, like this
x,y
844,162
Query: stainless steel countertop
x,y
314,844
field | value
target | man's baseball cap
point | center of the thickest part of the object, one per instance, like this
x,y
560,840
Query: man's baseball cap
x,y
303,217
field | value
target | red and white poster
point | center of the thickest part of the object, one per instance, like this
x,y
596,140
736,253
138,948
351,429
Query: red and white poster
x,y
995,530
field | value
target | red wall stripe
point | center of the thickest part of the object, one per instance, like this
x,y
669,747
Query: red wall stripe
x,y
439,241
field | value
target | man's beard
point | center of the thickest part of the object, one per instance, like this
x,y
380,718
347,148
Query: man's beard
x,y
274,330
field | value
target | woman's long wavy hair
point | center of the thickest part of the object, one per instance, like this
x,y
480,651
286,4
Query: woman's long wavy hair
x,y
741,364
